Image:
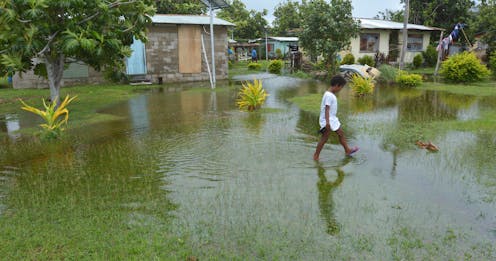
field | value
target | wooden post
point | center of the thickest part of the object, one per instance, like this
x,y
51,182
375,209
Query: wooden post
x,y
439,53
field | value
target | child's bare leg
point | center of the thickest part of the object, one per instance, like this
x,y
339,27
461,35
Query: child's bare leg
x,y
342,140
321,143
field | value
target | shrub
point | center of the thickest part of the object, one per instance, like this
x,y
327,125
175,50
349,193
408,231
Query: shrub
x,y
361,85
366,60
492,63
251,96
405,79
388,73
348,59
278,53
430,56
275,66
417,61
463,67
54,116
254,66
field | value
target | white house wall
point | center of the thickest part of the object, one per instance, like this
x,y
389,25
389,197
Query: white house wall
x,y
384,44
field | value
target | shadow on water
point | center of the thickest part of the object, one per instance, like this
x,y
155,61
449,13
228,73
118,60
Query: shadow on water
x,y
186,165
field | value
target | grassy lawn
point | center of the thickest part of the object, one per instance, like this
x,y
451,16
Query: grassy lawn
x,y
241,68
83,110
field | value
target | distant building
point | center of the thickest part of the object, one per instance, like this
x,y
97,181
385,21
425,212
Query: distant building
x,y
173,53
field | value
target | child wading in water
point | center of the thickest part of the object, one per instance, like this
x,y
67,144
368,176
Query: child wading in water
x,y
328,120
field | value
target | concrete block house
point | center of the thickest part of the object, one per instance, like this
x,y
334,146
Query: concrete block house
x,y
173,53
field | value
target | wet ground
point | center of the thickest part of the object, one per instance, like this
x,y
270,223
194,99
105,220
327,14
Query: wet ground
x,y
244,185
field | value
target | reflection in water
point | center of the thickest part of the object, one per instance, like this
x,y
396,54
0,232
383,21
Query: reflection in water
x,y
138,113
9,123
326,202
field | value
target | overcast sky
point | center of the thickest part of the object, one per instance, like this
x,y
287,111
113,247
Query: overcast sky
x,y
361,8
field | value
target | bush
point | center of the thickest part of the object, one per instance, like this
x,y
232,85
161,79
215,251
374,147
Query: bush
x,y
251,96
430,56
254,66
348,59
275,66
417,61
278,53
405,79
361,85
463,67
492,63
366,60
388,73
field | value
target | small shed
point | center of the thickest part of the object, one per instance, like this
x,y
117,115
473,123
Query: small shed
x,y
276,42
174,52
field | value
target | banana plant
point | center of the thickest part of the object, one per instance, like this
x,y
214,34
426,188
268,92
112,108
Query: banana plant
x,y
54,116
251,96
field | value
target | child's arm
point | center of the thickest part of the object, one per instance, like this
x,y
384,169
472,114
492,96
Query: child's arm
x,y
327,109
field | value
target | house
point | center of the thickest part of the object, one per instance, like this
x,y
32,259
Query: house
x,y
173,53
274,43
386,37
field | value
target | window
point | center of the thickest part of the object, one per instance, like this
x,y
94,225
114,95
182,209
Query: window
x,y
369,43
415,42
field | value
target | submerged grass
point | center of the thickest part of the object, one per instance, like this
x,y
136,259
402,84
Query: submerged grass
x,y
89,202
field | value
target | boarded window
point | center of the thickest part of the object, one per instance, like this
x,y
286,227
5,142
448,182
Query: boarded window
x,y
369,43
415,42
189,49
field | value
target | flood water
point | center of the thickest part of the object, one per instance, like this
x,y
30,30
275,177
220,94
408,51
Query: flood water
x,y
244,185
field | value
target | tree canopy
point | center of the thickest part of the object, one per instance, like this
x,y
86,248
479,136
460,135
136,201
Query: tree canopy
x,y
327,28
180,7
44,34
391,15
249,24
485,23
287,18
439,13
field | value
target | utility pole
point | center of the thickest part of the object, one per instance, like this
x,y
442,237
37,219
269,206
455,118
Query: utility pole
x,y
405,35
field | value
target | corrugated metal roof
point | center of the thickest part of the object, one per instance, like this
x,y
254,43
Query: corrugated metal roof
x,y
383,24
284,39
187,19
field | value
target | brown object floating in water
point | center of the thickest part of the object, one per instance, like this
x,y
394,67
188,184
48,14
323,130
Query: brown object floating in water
x,y
427,145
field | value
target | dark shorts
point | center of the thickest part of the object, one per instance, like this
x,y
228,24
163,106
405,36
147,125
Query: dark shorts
x,y
322,131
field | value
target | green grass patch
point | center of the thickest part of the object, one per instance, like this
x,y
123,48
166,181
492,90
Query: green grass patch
x,y
422,70
485,88
241,68
83,110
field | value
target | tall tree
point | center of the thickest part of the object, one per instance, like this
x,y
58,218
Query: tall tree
x,y
44,34
180,7
287,17
439,13
391,15
486,23
327,29
249,24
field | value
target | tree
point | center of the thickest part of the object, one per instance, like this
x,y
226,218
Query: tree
x,y
327,29
43,35
249,24
287,17
439,13
486,24
390,15
180,7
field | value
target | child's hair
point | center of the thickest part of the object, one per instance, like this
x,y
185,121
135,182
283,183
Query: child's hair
x,y
338,80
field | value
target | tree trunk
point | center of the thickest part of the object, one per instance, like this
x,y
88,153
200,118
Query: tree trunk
x,y
55,70
405,34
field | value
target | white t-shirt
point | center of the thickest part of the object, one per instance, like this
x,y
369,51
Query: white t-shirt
x,y
329,99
